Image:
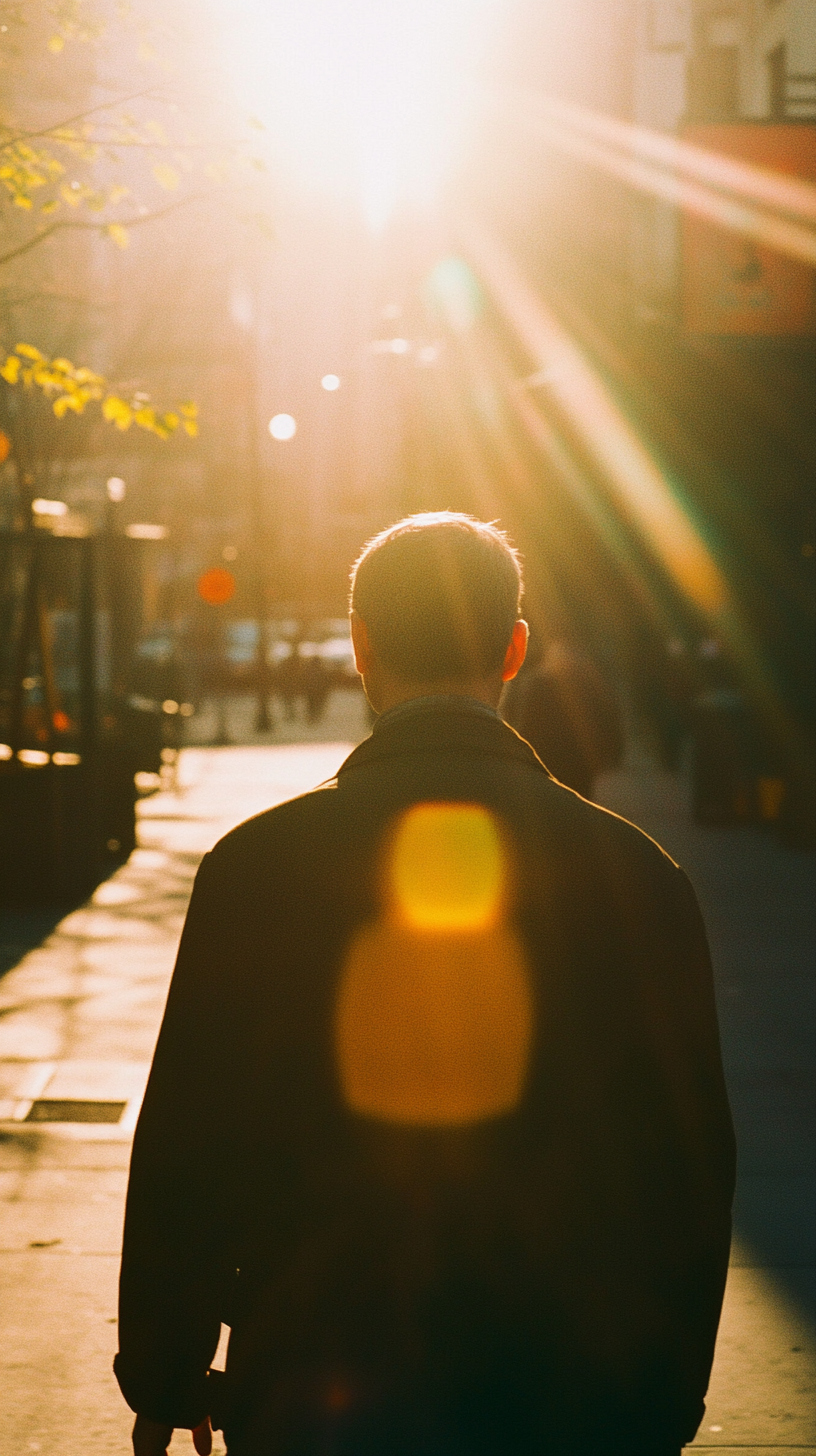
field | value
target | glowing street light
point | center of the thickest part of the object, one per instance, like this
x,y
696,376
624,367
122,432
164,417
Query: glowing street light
x,y
42,507
282,427
116,489
330,382
390,346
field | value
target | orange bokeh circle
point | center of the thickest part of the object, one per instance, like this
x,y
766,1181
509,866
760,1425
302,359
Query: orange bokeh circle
x,y
216,586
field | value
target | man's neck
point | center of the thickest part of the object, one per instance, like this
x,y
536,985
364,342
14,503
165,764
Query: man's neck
x,y
435,703
393,694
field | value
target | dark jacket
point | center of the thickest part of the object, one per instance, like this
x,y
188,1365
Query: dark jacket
x,y
558,1268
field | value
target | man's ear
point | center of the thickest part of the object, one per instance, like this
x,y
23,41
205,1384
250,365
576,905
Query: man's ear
x,y
363,655
516,650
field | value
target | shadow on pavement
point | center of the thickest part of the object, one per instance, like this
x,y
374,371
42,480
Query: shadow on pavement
x,y
757,899
23,930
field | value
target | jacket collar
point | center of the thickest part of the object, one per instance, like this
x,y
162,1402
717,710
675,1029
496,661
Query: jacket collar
x,y
442,725
434,703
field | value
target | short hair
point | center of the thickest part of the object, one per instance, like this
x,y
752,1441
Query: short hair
x,y
440,593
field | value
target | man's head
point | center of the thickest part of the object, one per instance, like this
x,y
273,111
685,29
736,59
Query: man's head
x,y
435,605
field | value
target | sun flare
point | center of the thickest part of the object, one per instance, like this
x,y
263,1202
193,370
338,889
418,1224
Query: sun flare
x,y
367,97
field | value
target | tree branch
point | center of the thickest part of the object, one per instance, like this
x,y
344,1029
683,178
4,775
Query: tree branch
x,y
48,131
97,227
9,300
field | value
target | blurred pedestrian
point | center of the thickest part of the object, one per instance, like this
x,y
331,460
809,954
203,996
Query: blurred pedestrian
x,y
316,687
569,714
436,1122
288,682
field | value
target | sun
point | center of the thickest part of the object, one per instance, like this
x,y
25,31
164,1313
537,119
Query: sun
x,y
370,98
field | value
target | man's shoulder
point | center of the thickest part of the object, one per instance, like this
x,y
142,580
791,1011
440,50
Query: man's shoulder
x,y
628,839
286,818
321,823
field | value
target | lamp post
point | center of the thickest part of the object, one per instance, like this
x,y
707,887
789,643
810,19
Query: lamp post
x,y
263,718
281,427
245,308
285,428
118,594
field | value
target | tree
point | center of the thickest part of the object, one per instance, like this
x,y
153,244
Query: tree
x,y
71,132
101,131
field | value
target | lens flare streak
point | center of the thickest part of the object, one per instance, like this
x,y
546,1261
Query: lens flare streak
x,y
765,206
589,409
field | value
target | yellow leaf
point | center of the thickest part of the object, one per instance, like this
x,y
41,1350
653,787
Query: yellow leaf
x,y
46,379
170,420
167,177
22,201
191,428
117,411
189,409
28,351
10,370
68,402
64,364
56,44
118,234
50,206
115,194
145,416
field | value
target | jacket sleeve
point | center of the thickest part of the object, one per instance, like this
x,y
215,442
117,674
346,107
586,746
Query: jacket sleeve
x,y
172,1275
705,1148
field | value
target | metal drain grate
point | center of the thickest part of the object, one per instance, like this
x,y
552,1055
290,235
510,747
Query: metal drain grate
x,y
62,1111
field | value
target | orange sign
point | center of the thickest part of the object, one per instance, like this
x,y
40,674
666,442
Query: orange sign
x,y
732,285
5,446
216,586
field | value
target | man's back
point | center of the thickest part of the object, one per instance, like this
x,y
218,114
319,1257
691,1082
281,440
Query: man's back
x,y
541,1270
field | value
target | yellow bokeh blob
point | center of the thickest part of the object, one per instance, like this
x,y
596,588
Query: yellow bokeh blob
x,y
447,869
434,1014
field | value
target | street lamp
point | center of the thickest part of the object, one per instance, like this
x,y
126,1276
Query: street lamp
x,y
282,427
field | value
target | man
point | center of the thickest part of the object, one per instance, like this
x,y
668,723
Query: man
x,y
436,1121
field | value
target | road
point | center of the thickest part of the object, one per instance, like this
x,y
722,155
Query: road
x,y
79,1015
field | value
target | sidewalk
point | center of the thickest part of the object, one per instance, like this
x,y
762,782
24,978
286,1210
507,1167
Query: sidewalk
x,y
78,1018
760,910
78,1021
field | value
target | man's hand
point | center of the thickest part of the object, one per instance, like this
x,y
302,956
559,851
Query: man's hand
x,y
150,1438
